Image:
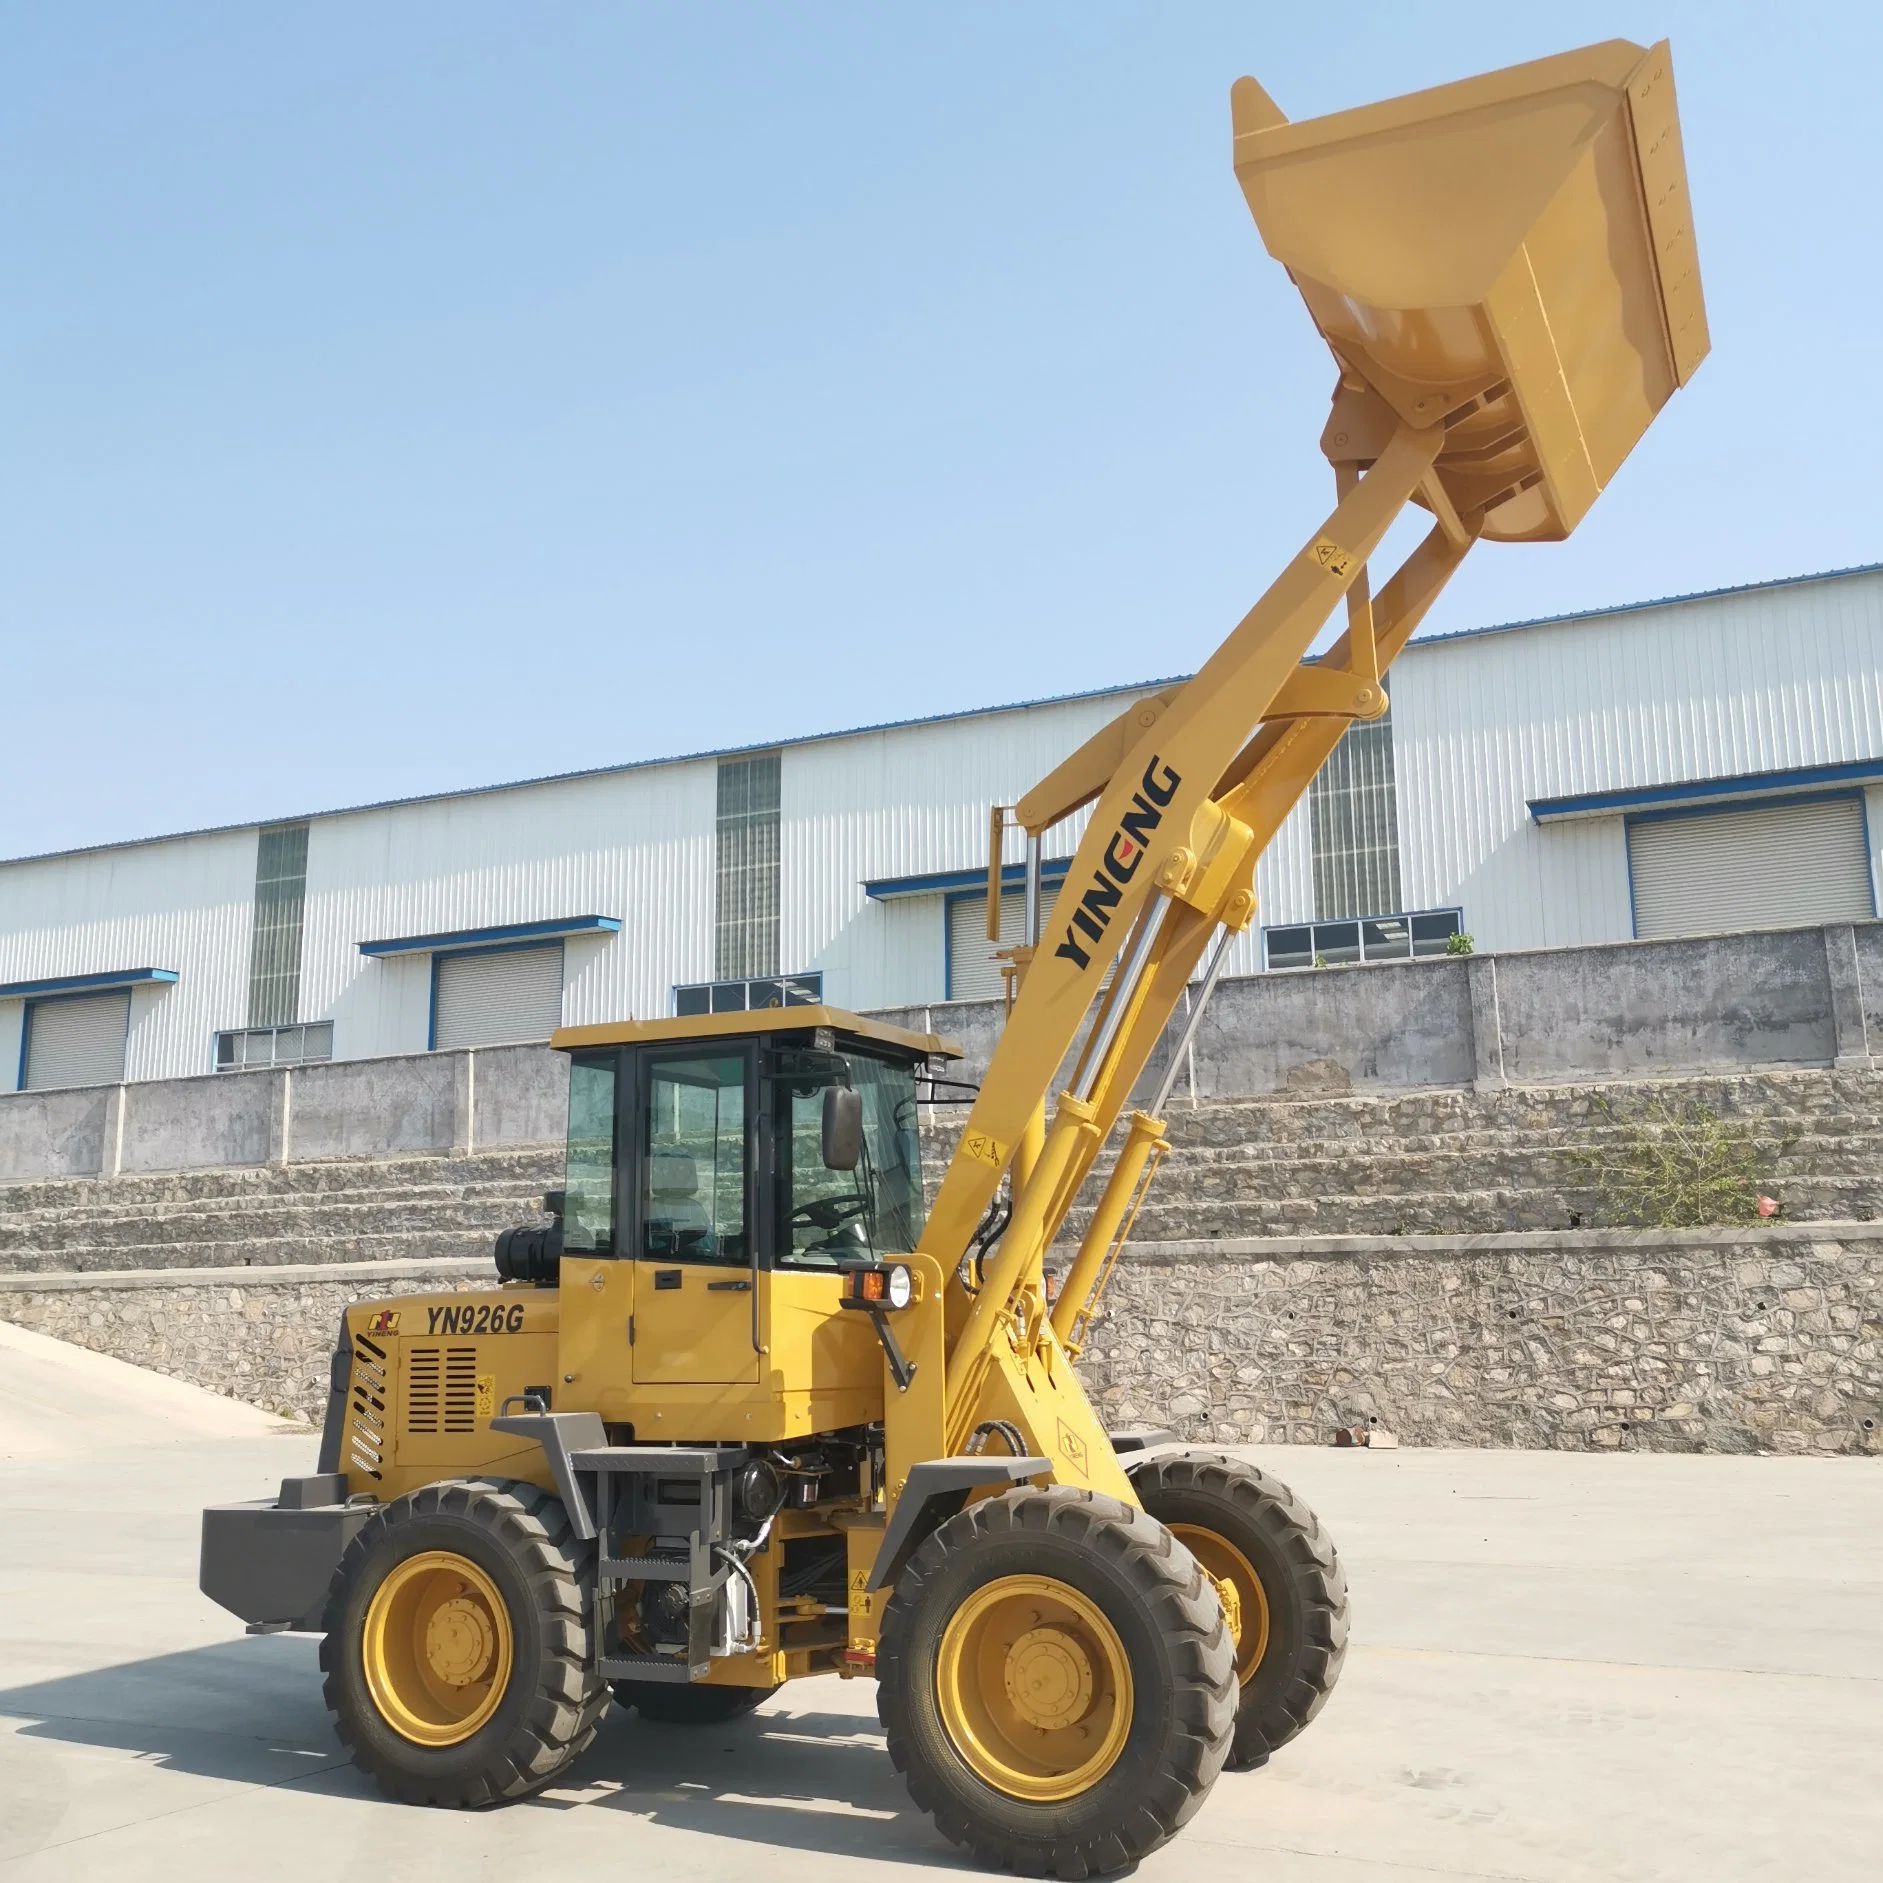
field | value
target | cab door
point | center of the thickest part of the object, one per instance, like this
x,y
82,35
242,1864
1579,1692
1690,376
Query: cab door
x,y
695,1300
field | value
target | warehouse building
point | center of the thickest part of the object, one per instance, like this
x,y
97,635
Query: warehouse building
x,y
1711,762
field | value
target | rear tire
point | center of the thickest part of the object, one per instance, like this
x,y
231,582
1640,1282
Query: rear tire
x,y
1057,1682
1212,1500
670,1704
457,1651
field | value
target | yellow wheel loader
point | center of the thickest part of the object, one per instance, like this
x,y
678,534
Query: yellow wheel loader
x,y
748,1410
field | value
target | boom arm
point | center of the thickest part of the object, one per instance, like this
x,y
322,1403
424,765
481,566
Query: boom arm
x,y
1164,862
1498,358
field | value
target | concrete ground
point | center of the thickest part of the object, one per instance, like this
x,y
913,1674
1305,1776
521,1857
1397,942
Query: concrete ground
x,y
1565,1667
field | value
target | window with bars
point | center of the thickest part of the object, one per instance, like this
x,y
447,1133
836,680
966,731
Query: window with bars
x,y
1407,936
274,1046
745,911
771,990
274,973
1354,815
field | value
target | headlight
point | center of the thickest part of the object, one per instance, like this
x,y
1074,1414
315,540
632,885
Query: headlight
x,y
901,1289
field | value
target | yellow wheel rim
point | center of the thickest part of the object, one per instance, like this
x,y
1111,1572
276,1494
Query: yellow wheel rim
x,y
437,1648
1245,1601
1034,1688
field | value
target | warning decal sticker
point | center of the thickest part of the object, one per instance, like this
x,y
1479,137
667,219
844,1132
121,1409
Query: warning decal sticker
x,y
984,1149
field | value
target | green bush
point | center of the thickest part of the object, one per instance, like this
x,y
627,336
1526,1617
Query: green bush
x,y
1680,1167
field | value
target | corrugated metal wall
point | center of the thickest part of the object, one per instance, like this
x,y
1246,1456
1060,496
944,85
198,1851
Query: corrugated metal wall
x,y
1762,680
635,845
183,905
1768,679
908,802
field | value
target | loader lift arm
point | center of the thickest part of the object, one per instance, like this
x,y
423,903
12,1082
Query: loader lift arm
x,y
1469,384
1199,780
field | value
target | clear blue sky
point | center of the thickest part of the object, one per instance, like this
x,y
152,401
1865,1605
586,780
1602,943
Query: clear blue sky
x,y
402,398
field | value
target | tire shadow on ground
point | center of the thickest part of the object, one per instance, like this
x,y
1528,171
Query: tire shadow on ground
x,y
810,1781
249,1712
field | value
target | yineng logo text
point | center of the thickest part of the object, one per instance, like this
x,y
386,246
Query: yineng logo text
x,y
1093,915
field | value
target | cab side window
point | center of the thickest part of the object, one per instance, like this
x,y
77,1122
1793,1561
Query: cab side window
x,y
588,1226
692,1202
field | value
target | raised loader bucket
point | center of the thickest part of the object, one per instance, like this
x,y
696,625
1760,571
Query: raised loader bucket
x,y
1511,256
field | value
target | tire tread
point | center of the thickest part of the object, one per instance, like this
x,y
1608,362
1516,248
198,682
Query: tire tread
x,y
1182,1603
566,1707
1320,1586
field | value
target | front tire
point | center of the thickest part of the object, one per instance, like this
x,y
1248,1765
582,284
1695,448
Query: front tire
x,y
1056,1681
457,1651
1280,1574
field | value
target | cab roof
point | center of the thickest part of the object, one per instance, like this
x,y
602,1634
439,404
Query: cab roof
x,y
719,1026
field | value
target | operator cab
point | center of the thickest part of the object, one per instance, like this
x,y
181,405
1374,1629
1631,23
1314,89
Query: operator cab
x,y
782,1138
723,1172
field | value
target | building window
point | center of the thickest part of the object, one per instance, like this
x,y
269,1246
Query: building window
x,y
771,990
1371,938
1354,815
745,909
274,971
273,1046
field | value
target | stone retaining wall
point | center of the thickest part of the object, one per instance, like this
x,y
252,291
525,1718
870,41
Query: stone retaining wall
x,y
1764,1339
265,1336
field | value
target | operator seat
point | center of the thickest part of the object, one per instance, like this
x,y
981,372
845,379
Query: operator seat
x,y
676,1222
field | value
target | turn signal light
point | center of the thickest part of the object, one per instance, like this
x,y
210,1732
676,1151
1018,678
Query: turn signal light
x,y
890,1285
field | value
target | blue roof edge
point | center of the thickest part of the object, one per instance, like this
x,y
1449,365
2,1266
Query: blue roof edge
x,y
88,983
887,888
487,937
1738,785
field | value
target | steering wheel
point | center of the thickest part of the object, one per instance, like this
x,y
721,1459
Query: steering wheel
x,y
828,1212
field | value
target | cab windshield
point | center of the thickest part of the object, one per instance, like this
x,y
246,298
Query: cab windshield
x,y
827,1217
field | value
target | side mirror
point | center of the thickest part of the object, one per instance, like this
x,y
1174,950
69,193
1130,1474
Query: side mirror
x,y
843,1127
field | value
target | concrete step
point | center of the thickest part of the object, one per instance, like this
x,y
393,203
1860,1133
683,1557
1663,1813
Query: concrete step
x,y
1166,1217
1822,1130
276,1215
1442,1173
251,1252
1255,1173
367,1210
1818,1099
537,1166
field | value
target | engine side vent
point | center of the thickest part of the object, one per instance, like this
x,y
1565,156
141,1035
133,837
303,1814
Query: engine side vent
x,y
460,1389
422,1382
440,1390
366,1416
